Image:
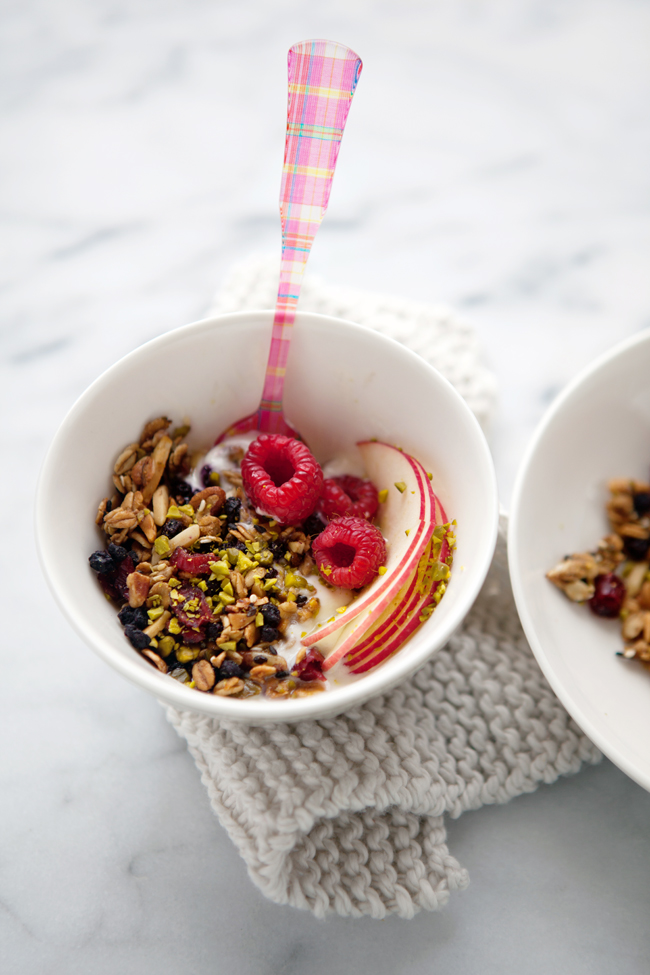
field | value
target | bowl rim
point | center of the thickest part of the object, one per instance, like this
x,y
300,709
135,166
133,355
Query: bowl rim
x,y
256,711
577,712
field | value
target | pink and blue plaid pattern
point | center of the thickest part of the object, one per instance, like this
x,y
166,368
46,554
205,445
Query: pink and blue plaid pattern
x,y
322,78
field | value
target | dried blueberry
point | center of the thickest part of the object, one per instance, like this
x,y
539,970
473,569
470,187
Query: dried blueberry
x,y
214,630
181,490
237,543
102,562
231,509
282,673
271,614
206,470
313,525
172,527
136,637
641,501
636,548
268,634
130,616
118,552
229,669
278,547
301,600
259,659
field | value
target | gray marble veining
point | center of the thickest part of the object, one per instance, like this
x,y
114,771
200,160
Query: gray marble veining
x,y
496,159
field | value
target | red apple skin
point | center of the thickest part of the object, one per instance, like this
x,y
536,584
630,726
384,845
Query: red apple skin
x,y
370,656
384,593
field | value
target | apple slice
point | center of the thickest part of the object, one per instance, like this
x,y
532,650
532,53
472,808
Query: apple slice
x,y
391,634
406,520
386,616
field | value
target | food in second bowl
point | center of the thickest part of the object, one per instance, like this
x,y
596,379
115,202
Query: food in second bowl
x,y
614,579
251,571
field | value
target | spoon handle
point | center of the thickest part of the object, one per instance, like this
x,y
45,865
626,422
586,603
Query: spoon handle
x,y
322,78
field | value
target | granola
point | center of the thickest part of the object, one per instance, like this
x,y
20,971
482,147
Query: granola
x,y
214,593
614,579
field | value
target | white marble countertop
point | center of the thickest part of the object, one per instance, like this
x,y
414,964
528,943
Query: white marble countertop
x,y
496,160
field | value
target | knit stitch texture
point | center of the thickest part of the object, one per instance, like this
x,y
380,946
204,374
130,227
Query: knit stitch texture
x,y
345,815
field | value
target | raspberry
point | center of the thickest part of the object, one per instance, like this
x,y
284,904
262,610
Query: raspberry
x,y
608,597
348,495
281,478
349,552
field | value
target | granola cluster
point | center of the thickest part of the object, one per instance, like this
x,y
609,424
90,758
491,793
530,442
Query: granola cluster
x,y
208,587
614,580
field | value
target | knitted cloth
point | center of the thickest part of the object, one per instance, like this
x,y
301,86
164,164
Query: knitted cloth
x,y
345,815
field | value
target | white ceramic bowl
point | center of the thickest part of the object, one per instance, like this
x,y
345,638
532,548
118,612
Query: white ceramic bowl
x,y
598,429
344,383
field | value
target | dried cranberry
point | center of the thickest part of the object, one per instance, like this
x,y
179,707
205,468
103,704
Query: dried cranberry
x,y
608,597
195,565
194,610
310,667
641,501
192,634
636,548
126,568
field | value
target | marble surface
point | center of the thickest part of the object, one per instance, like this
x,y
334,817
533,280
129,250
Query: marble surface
x,y
496,159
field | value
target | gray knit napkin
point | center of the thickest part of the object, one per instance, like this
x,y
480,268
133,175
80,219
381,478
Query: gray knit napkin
x,y
345,815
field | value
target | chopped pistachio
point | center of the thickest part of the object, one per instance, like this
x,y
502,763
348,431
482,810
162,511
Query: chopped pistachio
x,y
383,496
401,486
154,613
165,645
382,570
184,654
162,546
174,626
